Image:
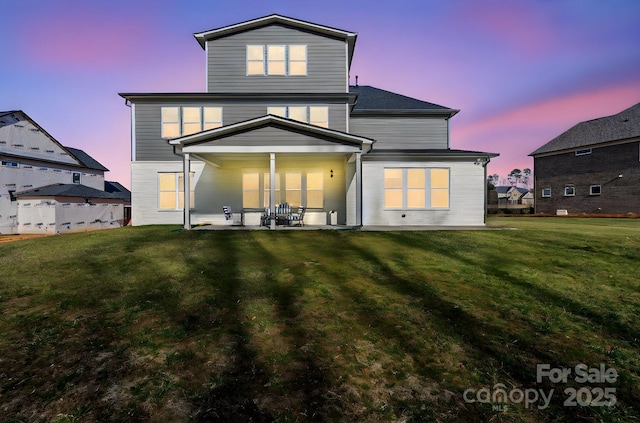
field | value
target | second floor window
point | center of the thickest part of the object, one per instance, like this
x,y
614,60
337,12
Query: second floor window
x,y
315,115
284,60
180,121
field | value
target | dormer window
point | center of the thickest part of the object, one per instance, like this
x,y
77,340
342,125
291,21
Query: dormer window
x,y
283,60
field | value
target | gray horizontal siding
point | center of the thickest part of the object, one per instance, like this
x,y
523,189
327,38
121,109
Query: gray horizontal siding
x,y
150,146
269,136
326,63
402,132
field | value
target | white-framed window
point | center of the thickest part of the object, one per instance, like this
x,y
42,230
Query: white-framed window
x,y
583,152
75,177
191,120
569,191
416,188
595,190
546,192
171,191
276,59
179,121
315,190
170,122
293,188
267,190
315,115
296,187
8,163
251,190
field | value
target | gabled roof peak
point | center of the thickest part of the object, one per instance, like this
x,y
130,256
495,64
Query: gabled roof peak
x,y
348,36
203,36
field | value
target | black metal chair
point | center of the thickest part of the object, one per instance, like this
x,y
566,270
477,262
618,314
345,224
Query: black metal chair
x,y
231,215
265,219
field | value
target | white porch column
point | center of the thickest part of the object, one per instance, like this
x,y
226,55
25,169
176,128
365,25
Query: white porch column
x,y
359,188
187,191
272,189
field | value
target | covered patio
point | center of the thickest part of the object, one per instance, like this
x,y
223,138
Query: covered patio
x,y
257,165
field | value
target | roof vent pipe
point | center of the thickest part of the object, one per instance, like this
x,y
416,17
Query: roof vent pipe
x,y
356,80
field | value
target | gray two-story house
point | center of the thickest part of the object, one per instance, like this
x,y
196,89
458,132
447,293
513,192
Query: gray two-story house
x,y
279,123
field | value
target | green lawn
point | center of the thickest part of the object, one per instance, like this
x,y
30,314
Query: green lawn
x,y
158,324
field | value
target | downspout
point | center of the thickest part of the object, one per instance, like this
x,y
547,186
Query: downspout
x,y
486,190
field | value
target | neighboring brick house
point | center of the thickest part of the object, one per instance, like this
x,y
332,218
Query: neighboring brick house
x,y
594,167
279,123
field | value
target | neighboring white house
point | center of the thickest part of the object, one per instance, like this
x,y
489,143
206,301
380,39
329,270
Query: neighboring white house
x,y
279,123
48,188
514,195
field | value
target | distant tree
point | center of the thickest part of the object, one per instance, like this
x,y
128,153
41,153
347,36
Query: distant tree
x,y
515,176
526,175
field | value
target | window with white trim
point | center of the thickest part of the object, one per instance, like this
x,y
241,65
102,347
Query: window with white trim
x,y
293,188
171,191
416,188
75,177
546,192
583,152
180,121
8,163
315,190
296,188
251,190
595,190
569,191
276,59
267,190
315,115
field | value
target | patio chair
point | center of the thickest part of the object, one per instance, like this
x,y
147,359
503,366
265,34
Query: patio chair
x,y
297,219
283,211
233,216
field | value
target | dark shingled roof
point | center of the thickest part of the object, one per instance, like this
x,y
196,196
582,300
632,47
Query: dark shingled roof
x,y
117,189
433,152
374,99
503,189
621,126
85,159
67,190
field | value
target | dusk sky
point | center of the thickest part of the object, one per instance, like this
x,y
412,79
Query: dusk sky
x,y
521,72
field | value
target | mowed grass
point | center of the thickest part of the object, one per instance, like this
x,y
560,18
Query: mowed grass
x,y
158,324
